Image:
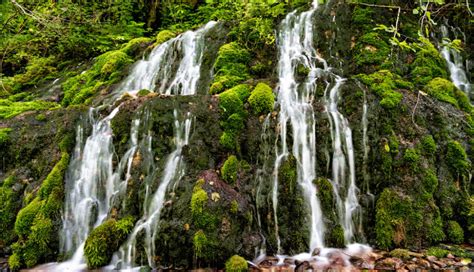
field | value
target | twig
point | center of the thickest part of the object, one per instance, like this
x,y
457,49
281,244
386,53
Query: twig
x,y
414,109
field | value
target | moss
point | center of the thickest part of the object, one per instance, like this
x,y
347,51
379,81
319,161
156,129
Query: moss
x,y
14,262
443,90
9,109
104,240
455,232
400,253
26,216
236,264
230,103
435,228
428,145
41,233
428,63
384,83
228,140
336,237
143,92
11,204
4,135
371,49
262,99
135,45
234,206
242,90
430,181
40,117
234,123
55,177
456,158
200,244
393,144
198,201
37,71
164,36
229,169
411,156
437,252
326,197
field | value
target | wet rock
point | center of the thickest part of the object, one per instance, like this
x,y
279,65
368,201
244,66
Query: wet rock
x,y
389,264
431,258
439,264
450,256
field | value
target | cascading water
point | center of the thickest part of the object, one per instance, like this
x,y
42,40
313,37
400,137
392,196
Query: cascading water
x,y
455,64
343,156
92,184
295,44
183,82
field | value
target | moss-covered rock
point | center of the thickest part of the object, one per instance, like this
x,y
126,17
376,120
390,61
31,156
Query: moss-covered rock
x,y
445,91
262,99
104,240
428,63
229,169
164,36
456,158
454,232
236,264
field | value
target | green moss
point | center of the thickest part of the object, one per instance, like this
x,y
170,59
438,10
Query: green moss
x,y
336,237
435,228
242,90
229,169
430,181
400,253
26,216
326,197
143,92
393,144
428,63
456,158
437,252
164,36
228,140
4,135
55,177
9,109
428,145
11,204
41,233
391,100
443,90
411,156
234,123
384,83
104,240
262,99
37,71
198,201
135,45
236,264
455,232
230,103
234,206
40,117
371,49
200,243
14,262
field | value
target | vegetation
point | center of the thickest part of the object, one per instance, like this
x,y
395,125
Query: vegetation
x,y
262,99
236,264
230,169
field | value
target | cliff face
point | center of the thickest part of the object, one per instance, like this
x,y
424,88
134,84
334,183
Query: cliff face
x,y
408,127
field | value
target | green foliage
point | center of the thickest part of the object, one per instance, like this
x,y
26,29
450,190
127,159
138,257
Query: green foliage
x,y
384,83
428,145
230,103
9,109
228,140
456,158
4,137
430,181
262,99
10,198
200,243
164,36
428,63
104,240
55,177
230,67
437,252
242,90
326,197
230,169
40,117
236,264
14,262
371,49
234,123
455,232
26,216
400,253
444,90
336,237
198,201
37,70
234,206
411,156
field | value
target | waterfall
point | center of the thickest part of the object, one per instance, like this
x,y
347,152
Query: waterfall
x,y
295,45
455,65
343,181
92,184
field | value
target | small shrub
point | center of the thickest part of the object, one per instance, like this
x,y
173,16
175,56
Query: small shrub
x,y
236,264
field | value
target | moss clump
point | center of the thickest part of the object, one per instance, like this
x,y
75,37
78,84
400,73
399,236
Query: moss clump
x,y
228,140
428,145
200,243
10,197
4,135
104,240
231,67
55,177
40,117
430,181
326,198
25,217
234,207
444,90
242,90
411,156
107,69
371,49
455,232
9,109
143,92
164,36
437,252
37,71
236,264
14,262
230,103
262,99
456,158
235,123
229,169
135,45
428,63
398,220
384,83
400,253
198,201
336,237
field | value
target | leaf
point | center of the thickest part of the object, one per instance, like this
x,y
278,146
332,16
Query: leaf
x,y
415,11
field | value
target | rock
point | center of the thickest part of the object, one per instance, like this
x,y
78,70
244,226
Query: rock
x,y
458,264
450,256
412,267
431,258
389,264
435,267
440,264
316,252
423,263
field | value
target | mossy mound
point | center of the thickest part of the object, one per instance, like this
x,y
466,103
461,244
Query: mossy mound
x,y
236,264
164,36
230,169
444,90
262,99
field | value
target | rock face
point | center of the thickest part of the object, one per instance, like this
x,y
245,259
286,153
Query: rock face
x,y
413,157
